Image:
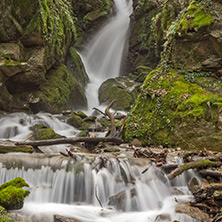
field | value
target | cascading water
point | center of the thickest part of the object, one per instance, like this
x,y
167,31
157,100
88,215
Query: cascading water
x,y
16,126
105,52
75,189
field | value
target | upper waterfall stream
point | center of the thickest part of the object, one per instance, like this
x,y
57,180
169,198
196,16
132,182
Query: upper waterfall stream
x,y
105,52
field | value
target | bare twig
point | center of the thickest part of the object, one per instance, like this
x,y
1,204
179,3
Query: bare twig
x,y
28,138
96,194
99,111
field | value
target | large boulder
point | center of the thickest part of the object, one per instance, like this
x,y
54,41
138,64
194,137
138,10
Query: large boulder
x,y
173,111
123,89
180,103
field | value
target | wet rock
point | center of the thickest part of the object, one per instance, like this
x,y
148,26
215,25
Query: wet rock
x,y
163,217
59,218
75,121
118,200
42,132
193,212
122,89
136,143
193,185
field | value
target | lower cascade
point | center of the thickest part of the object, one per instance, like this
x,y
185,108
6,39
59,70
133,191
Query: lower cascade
x,y
95,189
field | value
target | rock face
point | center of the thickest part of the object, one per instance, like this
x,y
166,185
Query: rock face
x,y
123,89
181,101
38,69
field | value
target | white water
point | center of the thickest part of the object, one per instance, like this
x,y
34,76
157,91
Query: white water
x,y
70,191
16,126
105,52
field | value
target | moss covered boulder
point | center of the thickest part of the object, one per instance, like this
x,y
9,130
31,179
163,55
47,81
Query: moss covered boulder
x,y
60,90
81,121
42,132
12,195
123,89
171,110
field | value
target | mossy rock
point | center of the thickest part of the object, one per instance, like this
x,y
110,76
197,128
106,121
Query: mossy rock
x,y
172,111
75,120
76,67
82,114
9,149
41,132
195,17
59,91
4,216
12,195
122,89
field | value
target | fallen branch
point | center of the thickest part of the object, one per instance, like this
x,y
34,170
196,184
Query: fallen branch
x,y
90,140
193,165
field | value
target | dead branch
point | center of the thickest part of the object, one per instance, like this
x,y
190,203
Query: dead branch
x,y
99,111
112,120
94,140
122,127
98,197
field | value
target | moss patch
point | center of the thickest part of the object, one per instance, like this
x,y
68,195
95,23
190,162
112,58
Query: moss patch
x,y
12,195
58,87
9,149
168,107
195,17
41,132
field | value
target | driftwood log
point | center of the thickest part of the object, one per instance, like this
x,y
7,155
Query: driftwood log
x,y
87,140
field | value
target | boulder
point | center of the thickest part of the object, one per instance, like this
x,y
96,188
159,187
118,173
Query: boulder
x,y
174,111
12,195
42,132
123,89
193,212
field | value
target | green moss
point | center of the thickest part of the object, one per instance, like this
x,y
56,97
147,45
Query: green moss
x,y
99,12
18,182
58,87
166,104
9,149
75,121
12,197
4,216
79,72
197,165
57,24
195,17
46,134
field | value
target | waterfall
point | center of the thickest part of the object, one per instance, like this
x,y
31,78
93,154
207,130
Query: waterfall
x,y
105,52
74,188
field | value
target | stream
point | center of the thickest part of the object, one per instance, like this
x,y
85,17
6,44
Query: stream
x,y
82,187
